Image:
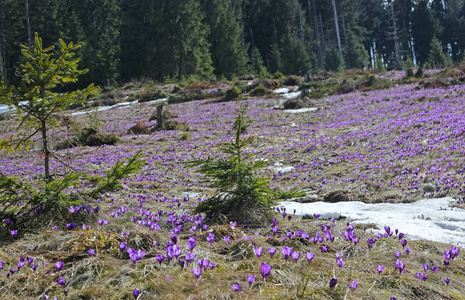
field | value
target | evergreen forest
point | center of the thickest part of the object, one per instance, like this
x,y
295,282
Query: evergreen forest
x,y
162,40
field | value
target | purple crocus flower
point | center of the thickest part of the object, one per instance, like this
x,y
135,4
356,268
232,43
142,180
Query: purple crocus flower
x,y
30,260
58,265
265,269
160,258
380,269
237,287
258,251
197,272
403,243
71,226
309,257
135,255
353,285
122,246
397,254
296,256
1,265
250,280
408,250
211,238
205,264
92,252
20,264
181,262
340,263
191,243
136,293
61,281
287,252
190,257
425,267
399,266
227,239
447,280
14,233
332,282
271,251
421,276
34,267
174,238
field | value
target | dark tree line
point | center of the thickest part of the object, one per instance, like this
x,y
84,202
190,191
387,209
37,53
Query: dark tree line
x,y
161,39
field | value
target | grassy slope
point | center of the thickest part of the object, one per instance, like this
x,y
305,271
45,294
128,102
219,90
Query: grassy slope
x,y
342,133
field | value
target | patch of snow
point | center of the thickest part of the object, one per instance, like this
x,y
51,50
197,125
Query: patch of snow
x,y
158,100
281,91
301,110
4,108
283,170
190,195
292,95
428,219
103,108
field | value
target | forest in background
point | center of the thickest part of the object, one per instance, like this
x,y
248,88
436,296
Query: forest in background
x,y
174,39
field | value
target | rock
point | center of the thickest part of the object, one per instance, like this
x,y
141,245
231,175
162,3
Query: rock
x,y
428,188
268,83
337,196
409,73
368,82
434,83
296,103
292,80
345,88
247,77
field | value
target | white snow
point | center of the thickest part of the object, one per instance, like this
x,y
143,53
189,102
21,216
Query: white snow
x,y
3,108
281,91
301,110
429,219
103,108
292,95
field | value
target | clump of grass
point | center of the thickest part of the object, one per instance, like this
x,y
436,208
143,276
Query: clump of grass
x,y
259,91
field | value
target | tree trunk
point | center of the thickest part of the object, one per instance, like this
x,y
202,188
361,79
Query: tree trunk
x,y
160,120
301,27
344,31
336,23
46,151
395,36
2,22
316,31
28,24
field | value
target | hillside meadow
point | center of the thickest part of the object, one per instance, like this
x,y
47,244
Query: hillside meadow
x,y
398,144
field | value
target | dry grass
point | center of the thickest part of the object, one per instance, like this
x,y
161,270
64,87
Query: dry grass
x,y
111,275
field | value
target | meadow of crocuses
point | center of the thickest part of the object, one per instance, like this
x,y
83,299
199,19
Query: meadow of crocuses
x,y
143,242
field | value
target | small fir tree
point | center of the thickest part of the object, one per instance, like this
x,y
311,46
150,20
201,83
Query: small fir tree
x,y
242,195
36,98
436,58
333,61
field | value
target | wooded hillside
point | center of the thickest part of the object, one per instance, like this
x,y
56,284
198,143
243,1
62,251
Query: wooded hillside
x,y
162,39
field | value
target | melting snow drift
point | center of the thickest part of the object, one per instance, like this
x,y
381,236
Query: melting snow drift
x,y
429,219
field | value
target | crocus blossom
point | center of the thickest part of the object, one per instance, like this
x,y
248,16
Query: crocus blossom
x,y
265,269
237,287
